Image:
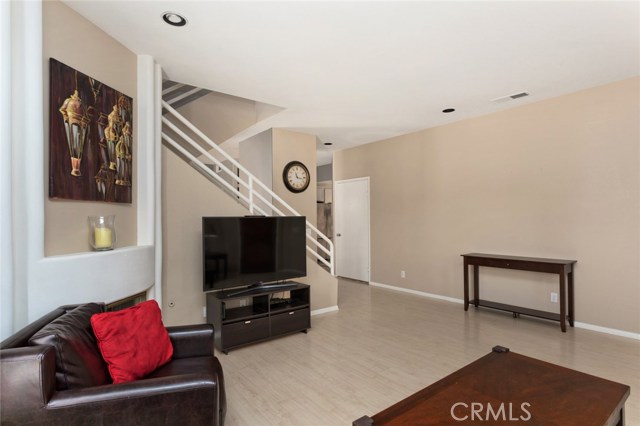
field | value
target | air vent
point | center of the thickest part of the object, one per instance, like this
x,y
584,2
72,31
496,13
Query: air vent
x,y
510,97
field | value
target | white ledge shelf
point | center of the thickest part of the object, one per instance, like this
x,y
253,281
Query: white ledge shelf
x,y
82,254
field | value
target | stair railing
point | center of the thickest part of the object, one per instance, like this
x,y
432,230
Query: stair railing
x,y
248,190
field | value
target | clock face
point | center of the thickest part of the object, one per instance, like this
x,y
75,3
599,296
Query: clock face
x,y
296,176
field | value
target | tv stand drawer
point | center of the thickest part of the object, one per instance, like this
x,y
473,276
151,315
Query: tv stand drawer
x,y
242,332
291,321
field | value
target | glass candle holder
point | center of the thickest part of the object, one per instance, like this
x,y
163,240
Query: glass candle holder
x,y
102,232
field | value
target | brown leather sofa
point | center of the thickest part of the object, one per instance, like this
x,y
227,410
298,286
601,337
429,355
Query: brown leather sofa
x,y
50,378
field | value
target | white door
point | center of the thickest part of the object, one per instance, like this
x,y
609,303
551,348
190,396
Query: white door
x,y
351,225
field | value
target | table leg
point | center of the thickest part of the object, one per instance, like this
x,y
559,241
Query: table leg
x,y
466,285
572,314
621,420
563,302
476,285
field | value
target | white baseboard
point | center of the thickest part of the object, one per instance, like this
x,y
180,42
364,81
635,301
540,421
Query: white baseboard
x,y
416,292
599,329
613,331
324,310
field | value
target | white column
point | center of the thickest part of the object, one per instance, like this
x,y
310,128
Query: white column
x,y
148,111
27,139
146,149
6,257
157,143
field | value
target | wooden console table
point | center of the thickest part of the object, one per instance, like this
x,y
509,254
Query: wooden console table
x,y
564,268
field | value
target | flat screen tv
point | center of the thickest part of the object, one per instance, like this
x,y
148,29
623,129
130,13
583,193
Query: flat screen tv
x,y
244,251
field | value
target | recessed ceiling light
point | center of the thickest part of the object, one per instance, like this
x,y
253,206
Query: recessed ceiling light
x,y
448,110
328,143
174,19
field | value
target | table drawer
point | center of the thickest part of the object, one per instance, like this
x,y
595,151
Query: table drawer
x,y
287,322
244,332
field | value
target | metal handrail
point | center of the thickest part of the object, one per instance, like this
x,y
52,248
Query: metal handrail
x,y
252,184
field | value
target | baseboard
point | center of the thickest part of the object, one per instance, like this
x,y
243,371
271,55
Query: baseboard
x,y
324,310
591,327
607,330
417,293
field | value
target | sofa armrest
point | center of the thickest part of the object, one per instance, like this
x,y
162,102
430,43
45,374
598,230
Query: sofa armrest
x,y
191,340
28,377
138,389
186,400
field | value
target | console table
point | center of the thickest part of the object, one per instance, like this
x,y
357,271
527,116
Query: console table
x,y
564,268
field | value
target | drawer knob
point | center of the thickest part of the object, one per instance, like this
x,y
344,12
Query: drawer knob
x,y
247,322
291,313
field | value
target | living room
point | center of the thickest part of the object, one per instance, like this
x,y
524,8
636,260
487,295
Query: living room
x,y
554,177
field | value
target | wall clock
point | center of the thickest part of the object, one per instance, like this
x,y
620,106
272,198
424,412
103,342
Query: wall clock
x,y
296,176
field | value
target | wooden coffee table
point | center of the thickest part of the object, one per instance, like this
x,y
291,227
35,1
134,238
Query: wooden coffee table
x,y
505,388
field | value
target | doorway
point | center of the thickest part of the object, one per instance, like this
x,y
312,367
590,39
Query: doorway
x,y
352,228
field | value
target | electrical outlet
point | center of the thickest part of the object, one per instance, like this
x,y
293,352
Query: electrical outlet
x,y
554,297
402,274
204,311
243,302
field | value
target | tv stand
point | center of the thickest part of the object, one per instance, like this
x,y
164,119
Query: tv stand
x,y
253,314
280,286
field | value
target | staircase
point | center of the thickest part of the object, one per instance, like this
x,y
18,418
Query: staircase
x,y
178,94
219,167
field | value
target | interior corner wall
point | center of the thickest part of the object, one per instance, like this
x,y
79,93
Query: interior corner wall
x,y
558,179
289,146
93,52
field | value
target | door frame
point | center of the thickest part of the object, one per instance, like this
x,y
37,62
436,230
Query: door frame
x,y
335,222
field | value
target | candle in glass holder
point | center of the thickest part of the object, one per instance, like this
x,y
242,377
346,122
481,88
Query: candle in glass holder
x,y
102,235
103,238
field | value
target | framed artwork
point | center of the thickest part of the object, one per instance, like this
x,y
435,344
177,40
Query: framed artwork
x,y
90,138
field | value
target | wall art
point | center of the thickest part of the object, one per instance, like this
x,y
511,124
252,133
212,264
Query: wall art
x,y
90,138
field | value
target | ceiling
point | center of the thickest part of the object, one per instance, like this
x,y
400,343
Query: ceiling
x,y
361,71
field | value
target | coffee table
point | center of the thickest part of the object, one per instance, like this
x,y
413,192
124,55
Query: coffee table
x,y
505,388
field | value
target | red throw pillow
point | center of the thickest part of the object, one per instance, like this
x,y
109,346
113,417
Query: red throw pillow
x,y
133,341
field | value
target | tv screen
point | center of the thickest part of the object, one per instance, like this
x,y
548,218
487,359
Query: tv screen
x,y
240,251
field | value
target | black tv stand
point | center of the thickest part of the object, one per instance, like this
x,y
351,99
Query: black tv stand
x,y
280,286
253,314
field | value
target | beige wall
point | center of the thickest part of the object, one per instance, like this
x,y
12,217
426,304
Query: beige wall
x,y
186,197
220,116
76,42
289,146
557,178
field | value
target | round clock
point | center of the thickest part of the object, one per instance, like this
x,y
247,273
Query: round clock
x,y
296,176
